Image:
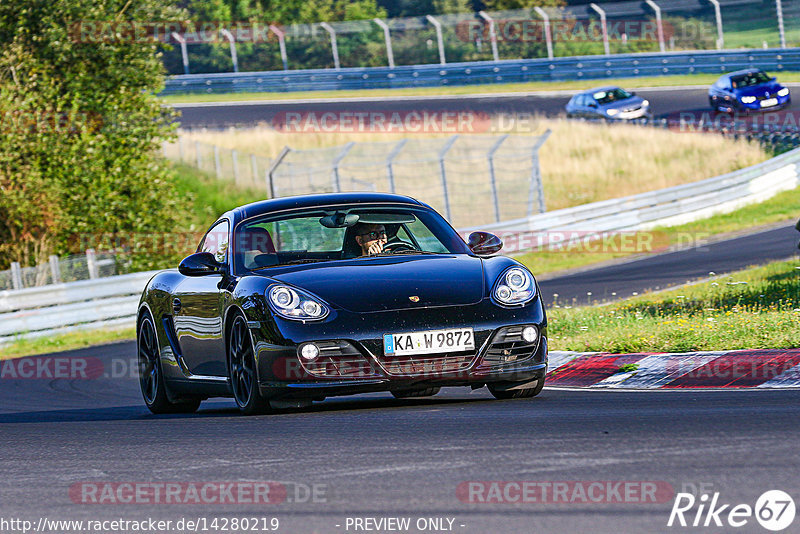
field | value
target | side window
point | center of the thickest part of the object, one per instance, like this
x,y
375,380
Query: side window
x,y
216,241
422,234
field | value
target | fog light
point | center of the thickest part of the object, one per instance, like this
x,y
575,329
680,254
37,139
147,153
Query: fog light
x,y
529,334
309,352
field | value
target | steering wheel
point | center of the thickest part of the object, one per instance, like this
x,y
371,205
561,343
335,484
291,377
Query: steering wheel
x,y
397,246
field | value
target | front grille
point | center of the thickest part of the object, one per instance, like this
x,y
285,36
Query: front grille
x,y
430,365
508,347
338,359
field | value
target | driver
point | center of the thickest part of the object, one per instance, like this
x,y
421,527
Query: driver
x,y
371,238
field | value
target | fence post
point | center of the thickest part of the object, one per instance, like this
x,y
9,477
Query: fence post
x,y
442,153
235,158
334,47
217,164
272,168
55,269
281,44
439,38
492,33
164,149
234,59
492,179
548,35
536,176
718,16
16,275
184,53
603,26
91,264
197,154
390,159
387,37
253,167
337,186
180,148
659,25
779,8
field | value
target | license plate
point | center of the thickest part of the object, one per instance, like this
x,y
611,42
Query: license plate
x,y
769,102
429,342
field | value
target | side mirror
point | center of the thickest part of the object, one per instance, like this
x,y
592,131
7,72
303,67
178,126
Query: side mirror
x,y
200,264
592,104
484,243
633,93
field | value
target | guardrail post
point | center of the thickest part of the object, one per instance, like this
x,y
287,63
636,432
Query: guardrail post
x,y
253,167
779,9
91,264
337,185
390,159
442,153
718,16
603,26
234,59
548,35
184,53
334,47
536,176
281,44
55,269
492,33
16,275
271,171
659,26
235,159
439,39
387,37
217,164
492,179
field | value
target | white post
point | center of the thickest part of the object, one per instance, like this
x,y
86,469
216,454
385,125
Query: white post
x,y
282,44
55,269
334,47
439,38
234,59
779,8
197,155
337,185
271,171
16,275
659,26
442,153
253,168
718,15
235,159
91,264
492,33
217,164
548,36
184,53
603,25
536,187
387,37
390,159
180,147
492,178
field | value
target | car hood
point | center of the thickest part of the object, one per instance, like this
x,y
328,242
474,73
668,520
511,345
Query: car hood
x,y
628,103
760,90
388,283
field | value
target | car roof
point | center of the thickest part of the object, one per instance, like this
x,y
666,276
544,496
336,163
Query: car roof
x,y
604,88
322,199
740,72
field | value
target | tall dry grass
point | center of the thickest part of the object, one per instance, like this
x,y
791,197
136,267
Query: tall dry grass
x,y
580,162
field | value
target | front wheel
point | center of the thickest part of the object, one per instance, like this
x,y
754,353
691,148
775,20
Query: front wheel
x,y
502,392
242,370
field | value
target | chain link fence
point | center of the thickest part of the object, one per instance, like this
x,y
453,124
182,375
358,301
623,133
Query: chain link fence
x,y
244,170
62,269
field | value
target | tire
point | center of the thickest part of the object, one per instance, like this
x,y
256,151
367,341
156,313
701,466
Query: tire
x,y
414,393
503,394
242,371
151,376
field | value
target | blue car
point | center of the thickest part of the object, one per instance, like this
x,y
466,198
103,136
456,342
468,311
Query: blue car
x,y
748,90
610,102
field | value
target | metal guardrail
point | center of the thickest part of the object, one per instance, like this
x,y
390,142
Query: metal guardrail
x,y
486,72
112,301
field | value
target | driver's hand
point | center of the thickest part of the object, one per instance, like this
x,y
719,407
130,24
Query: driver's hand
x,y
375,248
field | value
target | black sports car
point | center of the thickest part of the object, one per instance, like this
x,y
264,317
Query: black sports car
x,y
290,300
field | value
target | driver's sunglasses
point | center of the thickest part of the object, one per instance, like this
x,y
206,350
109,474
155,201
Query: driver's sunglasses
x,y
374,235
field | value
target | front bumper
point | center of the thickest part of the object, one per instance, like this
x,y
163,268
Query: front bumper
x,y
782,102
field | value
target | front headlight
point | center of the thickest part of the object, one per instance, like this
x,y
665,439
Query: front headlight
x,y
515,287
291,303
784,92
645,103
748,99
612,112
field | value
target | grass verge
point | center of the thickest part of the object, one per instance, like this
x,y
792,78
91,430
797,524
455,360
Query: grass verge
x,y
458,90
62,342
749,309
782,207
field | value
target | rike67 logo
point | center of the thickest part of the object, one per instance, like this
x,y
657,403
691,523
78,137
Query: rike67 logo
x,y
774,510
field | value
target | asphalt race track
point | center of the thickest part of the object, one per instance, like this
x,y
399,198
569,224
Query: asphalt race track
x,y
374,456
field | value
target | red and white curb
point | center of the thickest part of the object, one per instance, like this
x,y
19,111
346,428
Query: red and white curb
x,y
760,368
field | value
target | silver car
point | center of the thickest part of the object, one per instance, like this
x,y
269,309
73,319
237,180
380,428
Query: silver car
x,y
608,103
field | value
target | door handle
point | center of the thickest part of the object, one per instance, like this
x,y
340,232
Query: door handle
x,y
176,305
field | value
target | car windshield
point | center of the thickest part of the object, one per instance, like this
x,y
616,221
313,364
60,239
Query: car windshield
x,y
331,234
612,95
750,79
